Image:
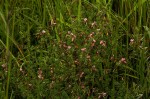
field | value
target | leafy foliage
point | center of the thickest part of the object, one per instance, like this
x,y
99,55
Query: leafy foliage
x,y
74,49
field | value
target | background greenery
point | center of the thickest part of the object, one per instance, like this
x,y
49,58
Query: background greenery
x,y
74,49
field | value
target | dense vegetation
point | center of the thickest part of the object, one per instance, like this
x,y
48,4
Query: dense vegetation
x,y
74,49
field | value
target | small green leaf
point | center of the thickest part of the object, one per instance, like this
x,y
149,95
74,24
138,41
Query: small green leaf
x,y
147,30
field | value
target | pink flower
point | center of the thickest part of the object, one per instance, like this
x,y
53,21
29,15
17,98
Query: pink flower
x,y
76,62
69,47
81,74
85,20
91,35
73,36
83,49
123,60
4,65
43,32
112,58
103,43
79,97
93,24
131,41
21,69
94,69
69,32
40,74
93,42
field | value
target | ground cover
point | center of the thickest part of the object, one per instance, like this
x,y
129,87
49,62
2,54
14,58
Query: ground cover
x,y
74,49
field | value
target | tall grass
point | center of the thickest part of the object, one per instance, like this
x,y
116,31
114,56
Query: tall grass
x,y
5,20
74,49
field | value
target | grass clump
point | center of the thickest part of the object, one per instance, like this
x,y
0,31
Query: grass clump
x,y
74,49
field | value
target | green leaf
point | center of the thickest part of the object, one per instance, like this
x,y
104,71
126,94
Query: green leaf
x,y
147,30
65,95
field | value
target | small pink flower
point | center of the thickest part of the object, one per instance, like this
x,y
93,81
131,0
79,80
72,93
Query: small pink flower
x,y
73,38
40,74
85,20
43,32
131,41
69,47
83,49
76,62
21,69
97,53
94,41
112,58
94,69
123,60
91,35
103,43
64,45
93,24
81,74
69,32
79,97
4,65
